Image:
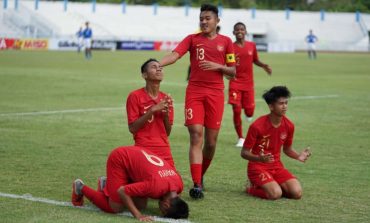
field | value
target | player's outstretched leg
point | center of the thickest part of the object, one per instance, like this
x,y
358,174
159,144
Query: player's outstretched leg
x,y
77,196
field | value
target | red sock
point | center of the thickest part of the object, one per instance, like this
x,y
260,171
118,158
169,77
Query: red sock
x,y
98,198
257,192
196,172
237,111
205,165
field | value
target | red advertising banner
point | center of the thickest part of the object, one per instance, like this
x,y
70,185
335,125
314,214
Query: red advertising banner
x,y
6,43
165,45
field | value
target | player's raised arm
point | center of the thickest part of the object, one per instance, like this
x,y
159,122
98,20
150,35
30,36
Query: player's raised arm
x,y
167,112
169,59
140,122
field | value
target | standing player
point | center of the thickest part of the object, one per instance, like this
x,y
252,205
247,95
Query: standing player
x,y
241,89
204,100
87,35
267,174
134,175
311,40
150,113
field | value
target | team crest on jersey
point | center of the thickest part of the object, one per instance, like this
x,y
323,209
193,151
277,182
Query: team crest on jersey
x,y
283,135
220,48
250,52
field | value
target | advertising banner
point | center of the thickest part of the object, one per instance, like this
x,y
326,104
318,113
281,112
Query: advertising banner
x,y
104,44
166,45
262,47
6,43
72,44
135,45
31,44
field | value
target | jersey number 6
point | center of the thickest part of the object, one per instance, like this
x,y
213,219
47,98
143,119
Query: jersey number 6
x,y
153,159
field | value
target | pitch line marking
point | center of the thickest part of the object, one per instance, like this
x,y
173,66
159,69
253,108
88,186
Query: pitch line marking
x,y
37,113
29,197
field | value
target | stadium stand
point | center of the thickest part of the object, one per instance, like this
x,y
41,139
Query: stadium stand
x,y
338,31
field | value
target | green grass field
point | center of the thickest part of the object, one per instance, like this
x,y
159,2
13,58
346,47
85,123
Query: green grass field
x,y
42,153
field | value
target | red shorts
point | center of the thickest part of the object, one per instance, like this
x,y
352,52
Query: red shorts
x,y
242,98
204,108
260,176
117,176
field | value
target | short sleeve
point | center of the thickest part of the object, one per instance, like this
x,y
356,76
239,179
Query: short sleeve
x,y
251,138
289,140
230,54
183,46
132,108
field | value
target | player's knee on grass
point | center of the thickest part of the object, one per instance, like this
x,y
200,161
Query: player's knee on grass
x,y
295,193
292,189
274,193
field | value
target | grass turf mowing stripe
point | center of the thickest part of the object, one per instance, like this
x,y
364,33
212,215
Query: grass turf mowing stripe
x,y
122,108
29,197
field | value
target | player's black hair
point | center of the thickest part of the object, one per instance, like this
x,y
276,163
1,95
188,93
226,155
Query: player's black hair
x,y
275,93
145,64
209,7
178,209
239,24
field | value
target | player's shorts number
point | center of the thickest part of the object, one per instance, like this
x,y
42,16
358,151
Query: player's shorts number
x,y
153,159
200,53
188,113
264,176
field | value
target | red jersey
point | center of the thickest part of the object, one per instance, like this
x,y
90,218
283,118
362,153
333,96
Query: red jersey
x,y
219,50
149,175
244,57
154,131
262,135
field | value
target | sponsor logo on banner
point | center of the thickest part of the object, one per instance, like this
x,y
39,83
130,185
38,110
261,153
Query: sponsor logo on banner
x,y
135,45
67,44
72,44
32,44
167,45
104,44
6,43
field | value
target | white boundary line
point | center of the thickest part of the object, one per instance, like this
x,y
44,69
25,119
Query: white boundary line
x,y
29,197
37,113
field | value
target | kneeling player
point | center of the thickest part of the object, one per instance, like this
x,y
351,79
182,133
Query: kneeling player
x,y
268,177
134,175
